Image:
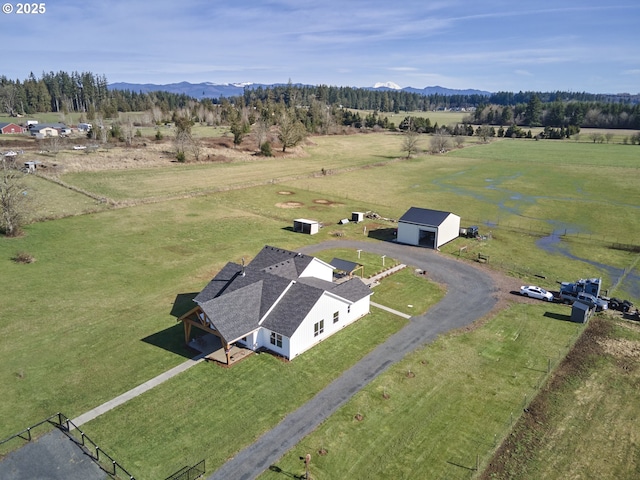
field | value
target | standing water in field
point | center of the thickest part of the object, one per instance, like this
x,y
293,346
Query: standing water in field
x,y
515,203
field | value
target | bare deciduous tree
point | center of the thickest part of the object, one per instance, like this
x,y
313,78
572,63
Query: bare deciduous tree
x,y
128,131
184,140
8,96
410,143
440,141
196,148
261,129
13,199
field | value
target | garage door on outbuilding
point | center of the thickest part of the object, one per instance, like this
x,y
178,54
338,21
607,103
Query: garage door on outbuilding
x,y
428,228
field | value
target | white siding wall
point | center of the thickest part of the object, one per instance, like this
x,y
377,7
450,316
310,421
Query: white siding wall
x,y
303,339
318,269
448,230
408,233
264,340
252,341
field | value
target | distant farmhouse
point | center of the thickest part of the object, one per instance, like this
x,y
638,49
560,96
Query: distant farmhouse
x,y
282,301
9,128
43,130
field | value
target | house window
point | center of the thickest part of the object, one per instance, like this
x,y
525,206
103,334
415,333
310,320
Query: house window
x,y
276,339
318,328
336,317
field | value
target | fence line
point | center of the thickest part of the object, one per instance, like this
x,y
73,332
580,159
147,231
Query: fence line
x,y
62,422
528,397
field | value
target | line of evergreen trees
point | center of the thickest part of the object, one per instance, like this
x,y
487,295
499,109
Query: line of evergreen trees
x,y
78,92
89,93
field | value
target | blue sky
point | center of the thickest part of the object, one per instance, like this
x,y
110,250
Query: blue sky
x,y
487,44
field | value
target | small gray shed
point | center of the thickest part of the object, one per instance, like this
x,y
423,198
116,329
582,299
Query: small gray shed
x,y
580,312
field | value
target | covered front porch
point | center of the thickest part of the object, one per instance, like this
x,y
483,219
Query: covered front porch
x,y
212,344
211,347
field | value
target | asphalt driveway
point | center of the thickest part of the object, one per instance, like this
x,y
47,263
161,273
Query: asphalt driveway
x,y
469,297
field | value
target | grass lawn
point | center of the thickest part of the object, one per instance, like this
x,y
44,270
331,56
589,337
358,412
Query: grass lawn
x,y
403,291
47,200
407,292
371,262
94,315
584,423
452,408
212,412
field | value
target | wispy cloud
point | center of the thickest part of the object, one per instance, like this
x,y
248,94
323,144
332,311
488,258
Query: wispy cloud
x,y
489,44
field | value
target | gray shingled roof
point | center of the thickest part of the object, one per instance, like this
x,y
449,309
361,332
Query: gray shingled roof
x,y
292,309
353,290
270,256
219,283
424,216
237,298
285,269
237,313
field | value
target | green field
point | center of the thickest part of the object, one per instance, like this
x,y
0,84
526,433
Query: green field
x,y
593,397
453,409
94,315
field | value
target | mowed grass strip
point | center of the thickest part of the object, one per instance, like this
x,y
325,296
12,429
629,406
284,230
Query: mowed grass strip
x,y
584,422
212,412
433,414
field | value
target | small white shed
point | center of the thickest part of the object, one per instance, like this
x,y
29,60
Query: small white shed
x,y
303,225
357,216
428,228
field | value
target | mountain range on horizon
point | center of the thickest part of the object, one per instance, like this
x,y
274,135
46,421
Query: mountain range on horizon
x,y
215,90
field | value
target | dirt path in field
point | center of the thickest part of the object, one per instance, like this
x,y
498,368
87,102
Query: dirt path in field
x,y
472,293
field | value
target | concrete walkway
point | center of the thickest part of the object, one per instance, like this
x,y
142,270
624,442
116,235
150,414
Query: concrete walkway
x,y
468,298
139,390
390,310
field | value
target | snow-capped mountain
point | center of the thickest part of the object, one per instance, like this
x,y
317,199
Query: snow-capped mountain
x,y
390,85
215,90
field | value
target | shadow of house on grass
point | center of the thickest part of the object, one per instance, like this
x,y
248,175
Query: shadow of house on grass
x,y
172,338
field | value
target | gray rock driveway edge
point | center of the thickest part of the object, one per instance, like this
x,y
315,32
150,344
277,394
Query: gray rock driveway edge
x,y
469,297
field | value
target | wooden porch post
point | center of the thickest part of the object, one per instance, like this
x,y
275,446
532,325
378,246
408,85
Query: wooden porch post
x,y
227,351
187,331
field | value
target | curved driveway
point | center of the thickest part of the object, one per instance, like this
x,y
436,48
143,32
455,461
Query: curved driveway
x,y
469,297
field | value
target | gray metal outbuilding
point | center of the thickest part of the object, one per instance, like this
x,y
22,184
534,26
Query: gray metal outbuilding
x,y
580,312
428,228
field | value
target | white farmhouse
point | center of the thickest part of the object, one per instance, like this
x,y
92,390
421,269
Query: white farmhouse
x,y
282,301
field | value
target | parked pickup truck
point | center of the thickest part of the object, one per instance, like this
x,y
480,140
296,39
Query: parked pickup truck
x,y
594,302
